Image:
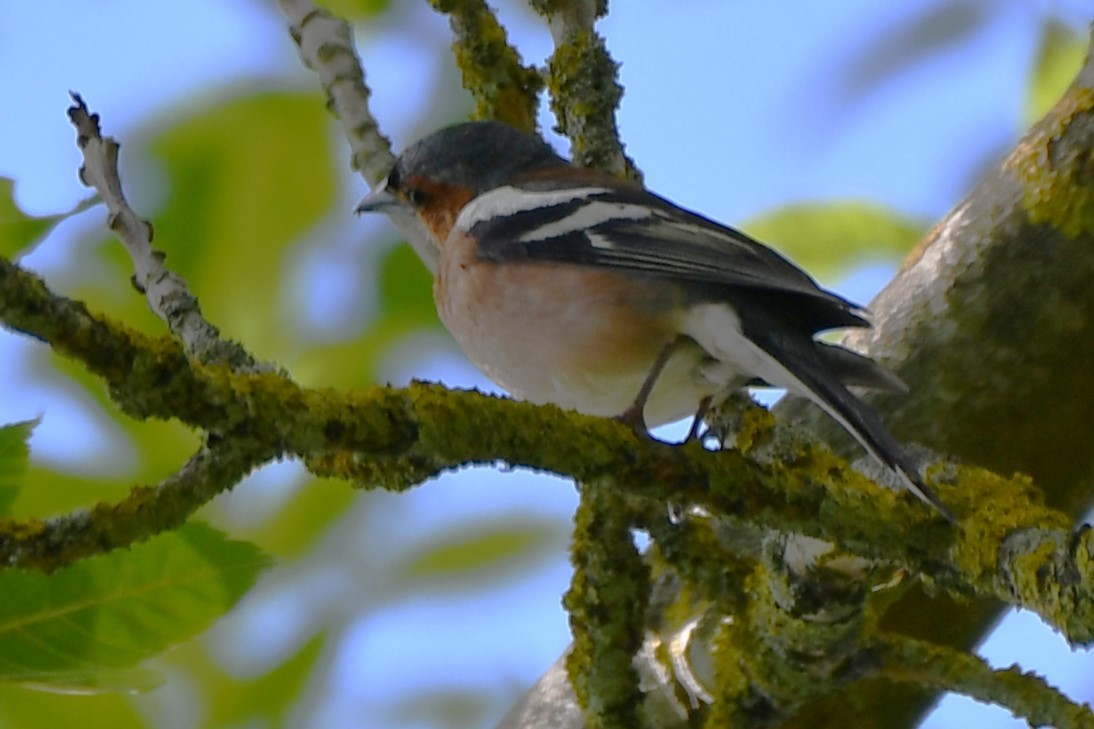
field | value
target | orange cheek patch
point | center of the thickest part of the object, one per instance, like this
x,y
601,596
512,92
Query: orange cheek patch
x,y
443,204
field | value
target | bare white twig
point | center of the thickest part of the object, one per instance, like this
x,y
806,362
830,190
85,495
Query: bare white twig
x,y
327,47
167,293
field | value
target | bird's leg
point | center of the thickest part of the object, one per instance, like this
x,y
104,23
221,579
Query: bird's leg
x,y
634,415
697,421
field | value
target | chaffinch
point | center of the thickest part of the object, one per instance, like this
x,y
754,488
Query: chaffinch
x,y
573,287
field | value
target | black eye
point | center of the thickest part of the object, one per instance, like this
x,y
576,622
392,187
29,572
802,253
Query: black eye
x,y
415,196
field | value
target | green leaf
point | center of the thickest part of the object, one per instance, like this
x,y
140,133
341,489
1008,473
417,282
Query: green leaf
x,y
19,232
406,288
355,9
82,626
939,28
22,709
487,550
14,457
826,238
305,518
1059,58
406,306
268,699
248,177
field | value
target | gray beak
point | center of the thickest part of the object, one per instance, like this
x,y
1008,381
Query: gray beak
x,y
378,201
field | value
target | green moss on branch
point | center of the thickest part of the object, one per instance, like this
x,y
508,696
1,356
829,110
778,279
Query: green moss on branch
x,y
502,86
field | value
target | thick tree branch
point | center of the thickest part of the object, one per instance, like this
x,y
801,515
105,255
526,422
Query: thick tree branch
x,y
991,324
1027,556
991,319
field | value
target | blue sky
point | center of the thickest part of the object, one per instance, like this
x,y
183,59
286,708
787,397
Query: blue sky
x,y
730,108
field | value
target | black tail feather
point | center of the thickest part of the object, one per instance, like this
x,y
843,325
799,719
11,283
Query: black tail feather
x,y
807,366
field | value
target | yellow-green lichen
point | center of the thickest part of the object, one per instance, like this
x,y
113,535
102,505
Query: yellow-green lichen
x,y
1055,164
606,602
585,92
502,86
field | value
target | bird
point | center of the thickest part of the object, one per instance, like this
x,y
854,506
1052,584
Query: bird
x,y
575,287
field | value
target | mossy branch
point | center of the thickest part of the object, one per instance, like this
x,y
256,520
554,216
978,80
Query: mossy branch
x,y
49,544
502,86
607,605
583,80
1027,695
1008,545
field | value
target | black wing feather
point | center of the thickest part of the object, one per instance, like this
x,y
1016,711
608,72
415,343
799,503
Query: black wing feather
x,y
670,242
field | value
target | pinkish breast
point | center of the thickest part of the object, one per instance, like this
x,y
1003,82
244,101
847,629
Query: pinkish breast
x,y
574,336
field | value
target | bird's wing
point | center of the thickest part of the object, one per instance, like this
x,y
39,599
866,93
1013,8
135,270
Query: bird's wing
x,y
627,228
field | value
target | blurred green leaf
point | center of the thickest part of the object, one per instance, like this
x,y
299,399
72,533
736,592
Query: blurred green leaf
x,y
406,288
305,518
824,238
113,611
91,681
268,699
14,457
406,306
248,178
355,9
159,447
489,549
47,491
19,232
22,709
1059,57
941,27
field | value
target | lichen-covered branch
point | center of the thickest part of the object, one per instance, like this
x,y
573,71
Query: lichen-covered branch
x,y
992,317
1027,695
167,293
607,605
991,324
49,544
584,84
1031,559
502,86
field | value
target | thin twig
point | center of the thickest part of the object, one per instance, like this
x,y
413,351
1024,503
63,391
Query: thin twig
x,y
50,544
946,669
326,46
167,293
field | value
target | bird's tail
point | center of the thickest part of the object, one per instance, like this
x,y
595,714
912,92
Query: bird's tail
x,y
807,373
